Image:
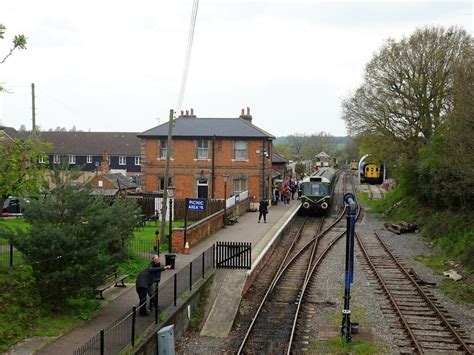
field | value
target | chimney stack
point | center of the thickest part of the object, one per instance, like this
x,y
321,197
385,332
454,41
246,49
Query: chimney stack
x,y
188,114
104,165
246,116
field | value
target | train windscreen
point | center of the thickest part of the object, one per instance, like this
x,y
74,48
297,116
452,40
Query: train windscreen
x,y
315,189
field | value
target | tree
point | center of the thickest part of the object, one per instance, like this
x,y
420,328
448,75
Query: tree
x,y
19,42
317,143
73,238
21,173
297,142
284,150
408,89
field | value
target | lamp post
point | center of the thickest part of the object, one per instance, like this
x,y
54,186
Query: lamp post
x,y
225,177
170,257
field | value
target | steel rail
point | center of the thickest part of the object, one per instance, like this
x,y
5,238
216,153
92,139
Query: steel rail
x,y
390,297
274,282
282,270
425,297
316,264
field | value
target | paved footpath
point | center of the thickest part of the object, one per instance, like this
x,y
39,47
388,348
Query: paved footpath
x,y
246,229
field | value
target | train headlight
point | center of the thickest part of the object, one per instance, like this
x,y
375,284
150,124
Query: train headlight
x,y
306,205
324,205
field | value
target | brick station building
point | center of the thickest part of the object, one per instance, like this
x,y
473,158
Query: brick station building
x,y
203,151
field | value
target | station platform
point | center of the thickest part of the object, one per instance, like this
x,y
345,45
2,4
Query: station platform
x,y
226,305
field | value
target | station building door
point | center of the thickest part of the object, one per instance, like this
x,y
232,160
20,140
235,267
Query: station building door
x,y
202,188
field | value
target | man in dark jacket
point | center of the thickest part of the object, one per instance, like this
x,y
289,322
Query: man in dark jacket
x,y
145,279
263,209
155,263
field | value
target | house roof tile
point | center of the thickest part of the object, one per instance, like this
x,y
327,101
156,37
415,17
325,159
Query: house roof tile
x,y
208,127
93,143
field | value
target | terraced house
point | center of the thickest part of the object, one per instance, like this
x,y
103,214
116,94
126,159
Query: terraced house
x,y
204,151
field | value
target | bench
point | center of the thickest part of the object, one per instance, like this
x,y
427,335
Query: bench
x,y
112,279
230,219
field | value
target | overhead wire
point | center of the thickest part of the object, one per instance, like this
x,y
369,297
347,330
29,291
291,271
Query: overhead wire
x,y
187,59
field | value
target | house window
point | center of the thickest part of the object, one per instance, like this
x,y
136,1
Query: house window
x,y
163,146
239,185
138,161
72,159
89,159
240,150
202,151
161,182
122,160
41,159
109,160
56,159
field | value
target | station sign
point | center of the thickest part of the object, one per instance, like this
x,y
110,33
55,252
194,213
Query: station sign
x,y
196,204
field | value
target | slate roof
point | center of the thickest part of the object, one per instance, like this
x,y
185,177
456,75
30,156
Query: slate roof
x,y
93,143
278,159
208,127
10,132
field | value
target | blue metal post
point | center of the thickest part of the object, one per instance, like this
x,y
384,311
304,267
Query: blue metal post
x,y
351,207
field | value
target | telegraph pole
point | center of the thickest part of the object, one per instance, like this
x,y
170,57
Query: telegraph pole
x,y
167,174
33,109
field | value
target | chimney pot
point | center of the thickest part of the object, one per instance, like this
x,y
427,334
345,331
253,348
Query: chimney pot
x,y
248,111
242,113
187,113
192,112
182,113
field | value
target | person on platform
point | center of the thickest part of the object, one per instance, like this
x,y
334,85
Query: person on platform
x,y
144,283
263,210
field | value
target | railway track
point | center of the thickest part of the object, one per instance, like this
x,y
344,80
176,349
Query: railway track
x,y
419,323
274,324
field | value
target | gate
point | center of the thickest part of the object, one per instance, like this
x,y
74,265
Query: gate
x,y
233,255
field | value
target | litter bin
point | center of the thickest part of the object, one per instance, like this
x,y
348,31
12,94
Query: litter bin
x,y
170,260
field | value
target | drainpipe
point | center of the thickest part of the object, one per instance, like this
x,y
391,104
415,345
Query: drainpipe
x,y
213,176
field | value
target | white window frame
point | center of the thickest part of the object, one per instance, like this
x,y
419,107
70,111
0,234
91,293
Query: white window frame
x,y
109,159
41,159
89,159
238,152
138,160
242,183
122,160
202,149
56,159
162,150
72,159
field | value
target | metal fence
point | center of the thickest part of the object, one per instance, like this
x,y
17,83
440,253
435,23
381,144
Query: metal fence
x,y
233,255
9,256
126,329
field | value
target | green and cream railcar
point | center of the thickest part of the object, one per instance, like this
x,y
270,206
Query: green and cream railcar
x,y
316,191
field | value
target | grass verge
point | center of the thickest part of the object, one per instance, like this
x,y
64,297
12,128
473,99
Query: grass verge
x,y
338,345
23,315
462,290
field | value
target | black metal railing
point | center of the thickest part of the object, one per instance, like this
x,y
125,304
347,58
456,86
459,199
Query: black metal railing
x,y
233,255
9,256
128,328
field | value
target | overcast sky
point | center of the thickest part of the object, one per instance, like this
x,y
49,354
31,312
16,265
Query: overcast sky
x,y
117,65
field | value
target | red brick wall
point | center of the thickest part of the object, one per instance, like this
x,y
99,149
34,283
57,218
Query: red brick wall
x,y
202,230
186,169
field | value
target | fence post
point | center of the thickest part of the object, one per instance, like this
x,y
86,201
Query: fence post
x,y
134,317
11,254
214,256
155,301
102,345
190,276
175,288
203,262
